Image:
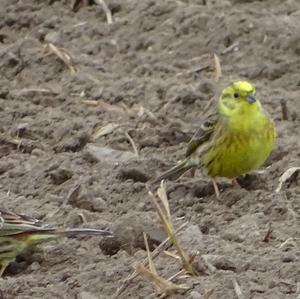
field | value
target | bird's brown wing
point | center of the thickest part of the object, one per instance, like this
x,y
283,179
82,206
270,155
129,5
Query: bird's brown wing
x,y
202,134
14,218
12,223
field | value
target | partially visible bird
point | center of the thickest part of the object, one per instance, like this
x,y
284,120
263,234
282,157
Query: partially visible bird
x,y
234,140
19,233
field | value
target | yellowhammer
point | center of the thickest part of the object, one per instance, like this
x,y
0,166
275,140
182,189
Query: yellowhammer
x,y
237,139
19,233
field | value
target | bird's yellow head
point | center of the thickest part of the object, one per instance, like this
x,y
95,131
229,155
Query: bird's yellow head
x,y
239,97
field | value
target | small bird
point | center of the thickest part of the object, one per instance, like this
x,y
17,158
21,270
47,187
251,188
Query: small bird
x,y
19,233
236,139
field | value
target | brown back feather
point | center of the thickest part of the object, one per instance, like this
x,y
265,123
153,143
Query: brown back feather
x,y
203,134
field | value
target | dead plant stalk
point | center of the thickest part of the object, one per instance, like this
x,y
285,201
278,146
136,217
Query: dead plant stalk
x,y
162,246
163,211
106,10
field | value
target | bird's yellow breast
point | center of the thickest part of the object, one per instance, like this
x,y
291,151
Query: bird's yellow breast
x,y
234,152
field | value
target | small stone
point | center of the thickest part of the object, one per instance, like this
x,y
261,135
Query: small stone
x,y
87,295
98,153
195,295
99,204
231,196
96,93
53,37
60,175
37,152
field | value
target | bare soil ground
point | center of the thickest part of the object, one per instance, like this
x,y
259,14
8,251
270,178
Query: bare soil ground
x,y
147,77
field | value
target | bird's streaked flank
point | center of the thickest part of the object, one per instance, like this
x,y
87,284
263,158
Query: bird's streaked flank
x,y
19,233
235,140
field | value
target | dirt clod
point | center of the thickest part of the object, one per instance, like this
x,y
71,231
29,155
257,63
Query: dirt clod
x,y
220,262
244,229
151,74
129,230
60,175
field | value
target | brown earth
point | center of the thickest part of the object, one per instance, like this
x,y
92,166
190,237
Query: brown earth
x,y
151,72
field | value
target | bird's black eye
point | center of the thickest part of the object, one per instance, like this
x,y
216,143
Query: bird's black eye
x,y
236,95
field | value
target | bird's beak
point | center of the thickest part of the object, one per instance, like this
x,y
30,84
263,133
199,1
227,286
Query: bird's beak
x,y
251,98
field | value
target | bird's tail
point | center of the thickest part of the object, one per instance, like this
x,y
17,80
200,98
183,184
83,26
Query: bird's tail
x,y
43,235
175,172
83,231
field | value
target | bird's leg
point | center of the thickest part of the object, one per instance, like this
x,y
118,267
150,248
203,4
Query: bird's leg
x,y
216,188
235,183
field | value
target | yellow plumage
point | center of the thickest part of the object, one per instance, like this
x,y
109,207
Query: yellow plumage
x,y
235,140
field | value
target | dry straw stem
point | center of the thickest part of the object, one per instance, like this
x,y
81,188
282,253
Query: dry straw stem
x,y
106,10
289,243
163,211
10,140
35,90
72,195
218,68
63,55
286,176
163,287
25,144
136,152
233,47
237,289
208,294
104,130
144,113
21,144
268,234
162,246
178,274
150,261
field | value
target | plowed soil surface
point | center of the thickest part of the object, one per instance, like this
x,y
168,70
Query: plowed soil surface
x,y
90,111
